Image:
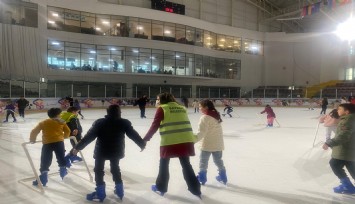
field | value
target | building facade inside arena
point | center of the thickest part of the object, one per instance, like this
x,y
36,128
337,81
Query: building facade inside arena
x,y
126,49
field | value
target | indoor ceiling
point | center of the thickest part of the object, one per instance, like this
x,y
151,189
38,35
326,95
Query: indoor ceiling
x,y
288,12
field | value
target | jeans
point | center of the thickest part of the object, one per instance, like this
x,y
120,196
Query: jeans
x,y
162,181
100,172
217,158
338,168
47,155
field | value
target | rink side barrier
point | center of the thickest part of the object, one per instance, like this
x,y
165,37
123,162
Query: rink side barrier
x,y
38,104
36,176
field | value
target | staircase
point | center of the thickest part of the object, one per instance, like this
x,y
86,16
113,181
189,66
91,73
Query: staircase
x,y
311,91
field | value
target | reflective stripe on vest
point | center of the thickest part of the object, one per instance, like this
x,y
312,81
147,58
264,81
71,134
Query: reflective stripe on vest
x,y
176,127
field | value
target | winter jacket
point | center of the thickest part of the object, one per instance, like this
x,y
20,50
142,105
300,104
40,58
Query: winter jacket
x,y
110,133
328,121
53,130
210,134
343,144
72,122
22,103
270,113
10,107
142,102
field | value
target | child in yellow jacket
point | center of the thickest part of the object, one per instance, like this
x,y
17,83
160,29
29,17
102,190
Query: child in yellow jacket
x,y
54,131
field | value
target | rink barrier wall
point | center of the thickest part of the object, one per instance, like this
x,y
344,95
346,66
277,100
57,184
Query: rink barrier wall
x,y
46,103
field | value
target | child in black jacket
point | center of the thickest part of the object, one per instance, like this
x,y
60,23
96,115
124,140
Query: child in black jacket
x,y
110,145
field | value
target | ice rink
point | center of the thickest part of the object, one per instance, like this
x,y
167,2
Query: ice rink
x,y
264,165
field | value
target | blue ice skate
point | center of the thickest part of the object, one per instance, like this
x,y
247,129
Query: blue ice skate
x,y
222,177
43,178
119,190
156,190
346,187
202,177
63,172
99,194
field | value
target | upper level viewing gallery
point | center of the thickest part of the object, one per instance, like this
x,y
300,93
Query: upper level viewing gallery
x,y
62,19
26,14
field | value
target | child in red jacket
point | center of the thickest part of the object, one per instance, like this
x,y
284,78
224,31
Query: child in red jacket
x,y
270,115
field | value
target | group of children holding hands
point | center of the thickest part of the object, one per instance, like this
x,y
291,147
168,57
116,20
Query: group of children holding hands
x,y
177,141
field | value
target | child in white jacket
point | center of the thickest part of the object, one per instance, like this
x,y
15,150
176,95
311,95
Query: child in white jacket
x,y
330,121
211,136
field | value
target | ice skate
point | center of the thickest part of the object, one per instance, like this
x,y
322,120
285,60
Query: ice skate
x,y
43,178
155,189
222,177
119,190
99,194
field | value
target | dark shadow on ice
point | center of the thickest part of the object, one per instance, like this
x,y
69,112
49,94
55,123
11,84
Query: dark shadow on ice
x,y
274,197
313,165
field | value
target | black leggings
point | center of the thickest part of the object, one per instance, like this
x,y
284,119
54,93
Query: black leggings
x,y
189,175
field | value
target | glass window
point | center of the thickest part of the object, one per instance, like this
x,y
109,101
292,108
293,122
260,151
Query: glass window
x,y
80,89
190,35
190,64
157,61
199,37
30,15
31,89
116,25
141,28
87,23
237,42
169,62
117,59
103,58
212,71
228,45
115,90
206,66
253,47
103,26
97,90
17,89
144,65
72,56
169,32
221,71
198,65
221,42
55,18
180,34
88,57
4,89
132,59
157,30
210,40
72,20
134,25
180,67
55,57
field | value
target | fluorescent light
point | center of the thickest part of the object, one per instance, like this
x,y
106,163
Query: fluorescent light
x,y
167,32
105,22
208,38
97,28
55,43
140,27
135,51
55,14
113,49
92,52
222,40
51,22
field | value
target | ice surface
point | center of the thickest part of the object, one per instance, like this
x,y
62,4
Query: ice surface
x,y
264,165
